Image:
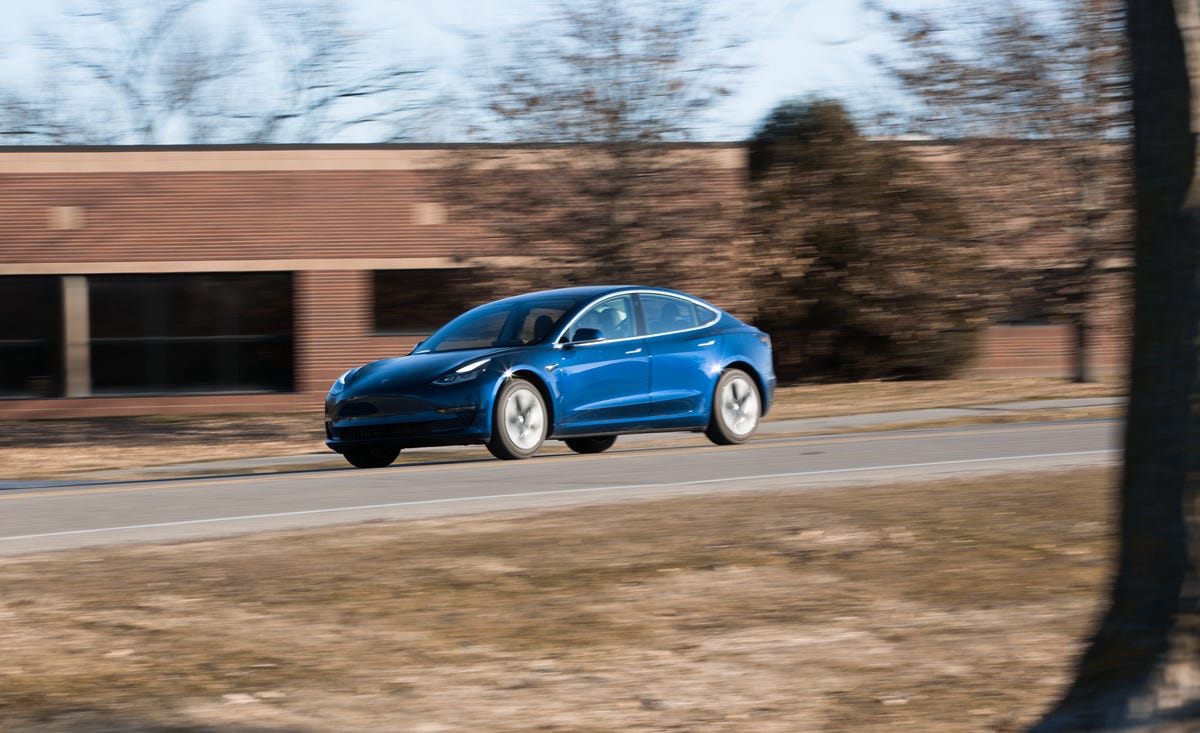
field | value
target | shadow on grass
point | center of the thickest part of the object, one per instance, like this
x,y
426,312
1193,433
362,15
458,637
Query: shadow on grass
x,y
159,430
116,722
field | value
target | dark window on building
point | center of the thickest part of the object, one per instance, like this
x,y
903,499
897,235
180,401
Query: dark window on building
x,y
30,337
226,332
418,302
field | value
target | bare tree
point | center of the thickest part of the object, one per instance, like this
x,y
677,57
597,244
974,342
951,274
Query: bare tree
x,y
1019,84
134,73
599,96
1141,670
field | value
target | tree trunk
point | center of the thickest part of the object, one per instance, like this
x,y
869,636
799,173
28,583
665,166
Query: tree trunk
x,y
1083,352
1142,669
1081,325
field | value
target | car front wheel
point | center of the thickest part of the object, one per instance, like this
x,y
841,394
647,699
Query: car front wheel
x,y
736,408
519,422
371,457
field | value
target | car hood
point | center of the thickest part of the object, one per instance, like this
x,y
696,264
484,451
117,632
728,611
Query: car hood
x,y
402,372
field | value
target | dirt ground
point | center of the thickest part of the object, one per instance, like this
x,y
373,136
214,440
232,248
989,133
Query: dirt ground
x,y
944,607
56,448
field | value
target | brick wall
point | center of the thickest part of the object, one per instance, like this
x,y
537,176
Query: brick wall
x,y
220,216
334,330
1044,351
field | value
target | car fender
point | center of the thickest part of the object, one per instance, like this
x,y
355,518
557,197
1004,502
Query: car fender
x,y
739,358
514,371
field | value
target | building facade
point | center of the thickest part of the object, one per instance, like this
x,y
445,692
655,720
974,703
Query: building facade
x,y
174,280
137,281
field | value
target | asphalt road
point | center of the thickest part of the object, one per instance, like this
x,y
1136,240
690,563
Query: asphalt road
x,y
91,514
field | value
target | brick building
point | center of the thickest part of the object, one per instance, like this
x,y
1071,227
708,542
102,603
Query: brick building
x,y
145,280
1024,207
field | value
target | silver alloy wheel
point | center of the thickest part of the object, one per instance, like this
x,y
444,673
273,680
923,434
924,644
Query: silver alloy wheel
x,y
739,405
524,418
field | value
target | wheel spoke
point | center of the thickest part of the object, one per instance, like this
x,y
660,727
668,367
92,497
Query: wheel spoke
x,y
738,390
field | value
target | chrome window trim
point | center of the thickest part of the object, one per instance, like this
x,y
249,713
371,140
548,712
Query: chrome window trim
x,y
559,343
701,305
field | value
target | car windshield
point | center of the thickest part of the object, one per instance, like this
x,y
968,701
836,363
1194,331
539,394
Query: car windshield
x,y
518,322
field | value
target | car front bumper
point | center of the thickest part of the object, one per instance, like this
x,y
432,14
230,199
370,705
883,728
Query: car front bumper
x,y
406,421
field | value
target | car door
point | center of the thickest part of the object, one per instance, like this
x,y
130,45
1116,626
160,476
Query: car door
x,y
684,356
602,382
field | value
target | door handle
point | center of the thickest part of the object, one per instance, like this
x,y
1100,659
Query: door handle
x,y
710,342
638,350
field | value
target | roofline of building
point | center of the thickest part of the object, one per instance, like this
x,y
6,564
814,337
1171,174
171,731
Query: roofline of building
x,y
348,146
329,158
917,140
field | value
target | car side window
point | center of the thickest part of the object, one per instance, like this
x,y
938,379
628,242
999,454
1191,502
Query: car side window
x,y
664,314
613,318
539,323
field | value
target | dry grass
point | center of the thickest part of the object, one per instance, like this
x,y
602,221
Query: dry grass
x,y
55,448
938,607
52,448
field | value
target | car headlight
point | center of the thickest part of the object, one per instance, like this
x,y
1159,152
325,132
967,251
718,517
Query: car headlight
x,y
464,373
340,384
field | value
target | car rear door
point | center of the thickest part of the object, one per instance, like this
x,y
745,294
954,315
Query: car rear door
x,y
684,356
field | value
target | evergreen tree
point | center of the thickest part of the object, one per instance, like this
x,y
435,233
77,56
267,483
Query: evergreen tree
x,y
868,268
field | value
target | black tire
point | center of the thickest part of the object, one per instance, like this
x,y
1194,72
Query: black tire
x,y
597,444
371,457
520,421
736,408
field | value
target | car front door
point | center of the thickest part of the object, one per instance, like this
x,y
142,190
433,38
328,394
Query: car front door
x,y
602,374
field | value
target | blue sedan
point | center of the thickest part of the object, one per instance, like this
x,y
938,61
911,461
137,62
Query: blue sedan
x,y
582,365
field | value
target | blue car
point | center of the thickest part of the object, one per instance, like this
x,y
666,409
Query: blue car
x,y
582,365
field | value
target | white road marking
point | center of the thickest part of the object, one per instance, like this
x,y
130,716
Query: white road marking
x,y
551,492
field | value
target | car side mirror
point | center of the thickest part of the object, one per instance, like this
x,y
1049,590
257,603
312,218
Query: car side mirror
x,y
585,335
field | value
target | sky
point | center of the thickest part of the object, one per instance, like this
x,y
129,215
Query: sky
x,y
793,48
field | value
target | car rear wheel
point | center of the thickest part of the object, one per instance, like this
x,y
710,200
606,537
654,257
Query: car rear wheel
x,y
597,444
371,457
519,422
736,408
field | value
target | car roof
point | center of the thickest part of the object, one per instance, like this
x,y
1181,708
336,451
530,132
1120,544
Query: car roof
x,y
589,292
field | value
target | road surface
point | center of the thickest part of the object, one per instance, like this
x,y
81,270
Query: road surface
x,y
92,514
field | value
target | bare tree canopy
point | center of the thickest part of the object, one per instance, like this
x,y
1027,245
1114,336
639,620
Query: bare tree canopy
x,y
608,71
1033,77
1012,69
598,94
118,72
